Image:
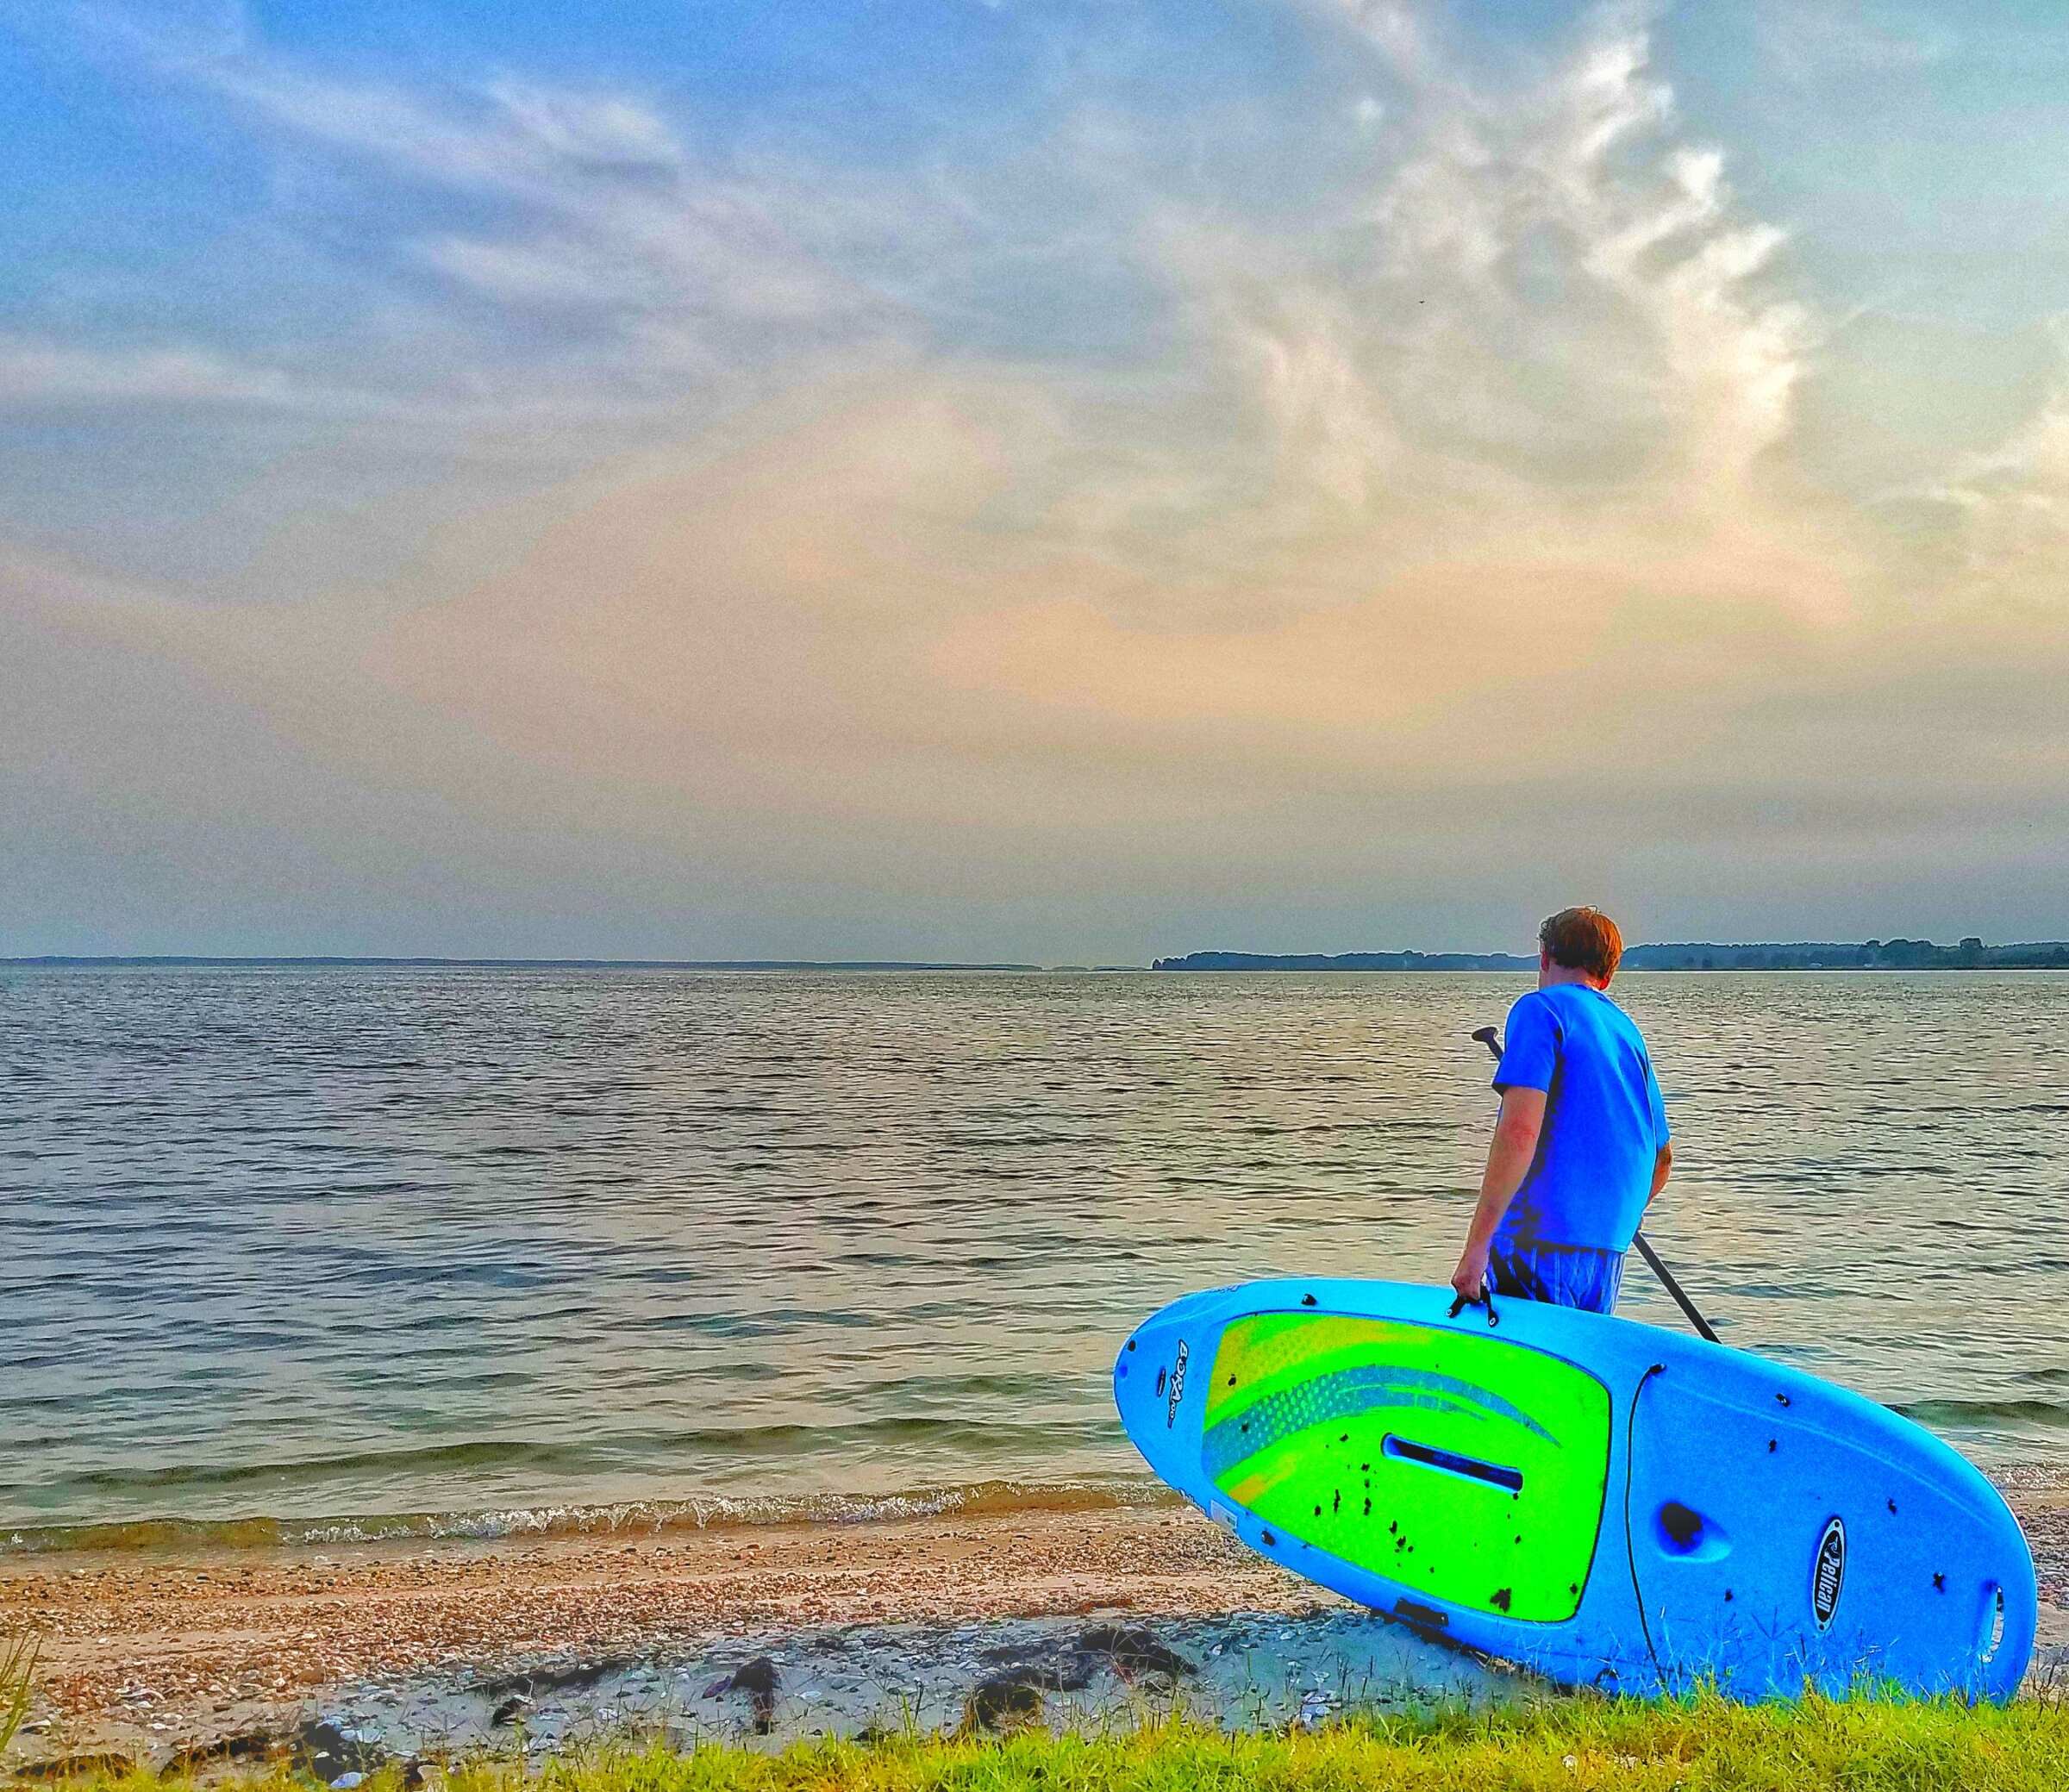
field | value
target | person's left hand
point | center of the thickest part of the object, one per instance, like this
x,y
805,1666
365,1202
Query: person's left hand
x,y
1469,1280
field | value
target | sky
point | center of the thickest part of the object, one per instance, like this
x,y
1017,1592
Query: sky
x,y
1066,480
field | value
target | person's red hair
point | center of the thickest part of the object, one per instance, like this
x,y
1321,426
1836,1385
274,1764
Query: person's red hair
x,y
1584,939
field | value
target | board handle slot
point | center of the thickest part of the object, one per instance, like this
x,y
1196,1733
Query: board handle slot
x,y
1991,1635
1493,1473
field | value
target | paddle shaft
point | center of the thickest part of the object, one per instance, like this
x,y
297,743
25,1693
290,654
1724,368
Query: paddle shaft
x,y
1488,1037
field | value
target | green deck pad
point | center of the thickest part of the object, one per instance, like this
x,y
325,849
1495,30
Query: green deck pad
x,y
1491,1492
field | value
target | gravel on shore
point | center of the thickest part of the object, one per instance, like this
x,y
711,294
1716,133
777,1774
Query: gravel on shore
x,y
139,1651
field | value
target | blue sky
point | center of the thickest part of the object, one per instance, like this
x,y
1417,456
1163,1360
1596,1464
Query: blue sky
x,y
1066,480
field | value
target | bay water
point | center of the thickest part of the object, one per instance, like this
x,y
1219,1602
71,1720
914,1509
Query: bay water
x,y
309,1253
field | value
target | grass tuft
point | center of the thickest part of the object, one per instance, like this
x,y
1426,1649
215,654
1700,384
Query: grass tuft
x,y
17,1684
1703,1744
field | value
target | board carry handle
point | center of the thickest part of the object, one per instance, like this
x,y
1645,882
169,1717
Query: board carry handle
x,y
1486,1299
1488,1037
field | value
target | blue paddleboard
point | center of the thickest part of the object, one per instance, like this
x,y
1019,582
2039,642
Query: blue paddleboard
x,y
1608,1503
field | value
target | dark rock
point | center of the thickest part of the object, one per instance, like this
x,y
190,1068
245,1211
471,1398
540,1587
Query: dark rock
x,y
107,1765
759,1680
246,1745
508,1711
327,1752
534,1681
1134,1652
1051,1668
1005,1701
315,1747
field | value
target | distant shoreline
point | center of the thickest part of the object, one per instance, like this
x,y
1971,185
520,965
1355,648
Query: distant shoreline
x,y
1972,955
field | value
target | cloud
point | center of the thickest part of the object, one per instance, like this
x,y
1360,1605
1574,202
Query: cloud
x,y
482,224
36,372
686,264
2011,504
1811,41
1448,516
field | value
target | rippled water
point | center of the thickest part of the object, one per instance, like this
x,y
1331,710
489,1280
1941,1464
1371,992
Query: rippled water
x,y
469,1248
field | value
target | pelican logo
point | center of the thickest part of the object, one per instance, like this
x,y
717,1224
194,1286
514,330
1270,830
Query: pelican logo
x,y
1178,1387
1829,1574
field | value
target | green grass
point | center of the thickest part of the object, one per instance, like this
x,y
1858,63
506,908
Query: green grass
x,y
1570,1745
17,1682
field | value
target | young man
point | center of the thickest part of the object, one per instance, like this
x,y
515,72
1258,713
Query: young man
x,y
1580,1147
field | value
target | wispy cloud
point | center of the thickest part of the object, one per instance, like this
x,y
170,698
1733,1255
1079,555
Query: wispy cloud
x,y
1811,41
42,373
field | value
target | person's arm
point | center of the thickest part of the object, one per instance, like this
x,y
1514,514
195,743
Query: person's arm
x,y
1663,1156
1510,1155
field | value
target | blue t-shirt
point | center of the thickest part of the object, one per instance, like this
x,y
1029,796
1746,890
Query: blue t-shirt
x,y
1604,1122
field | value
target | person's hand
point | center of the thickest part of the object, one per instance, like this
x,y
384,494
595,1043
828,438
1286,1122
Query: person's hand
x,y
1469,1280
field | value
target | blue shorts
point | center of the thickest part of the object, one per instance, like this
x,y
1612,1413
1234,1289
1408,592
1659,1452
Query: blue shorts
x,y
1561,1275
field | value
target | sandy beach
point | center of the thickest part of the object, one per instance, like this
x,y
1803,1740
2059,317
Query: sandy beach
x,y
146,1652
142,1653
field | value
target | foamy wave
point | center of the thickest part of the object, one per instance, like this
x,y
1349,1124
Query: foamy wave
x,y
697,1513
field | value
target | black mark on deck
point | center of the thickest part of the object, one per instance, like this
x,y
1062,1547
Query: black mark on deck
x,y
1500,1598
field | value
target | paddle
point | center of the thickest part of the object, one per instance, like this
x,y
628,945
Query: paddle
x,y
1488,1037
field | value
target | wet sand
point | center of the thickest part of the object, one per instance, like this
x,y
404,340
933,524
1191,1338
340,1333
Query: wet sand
x,y
142,1653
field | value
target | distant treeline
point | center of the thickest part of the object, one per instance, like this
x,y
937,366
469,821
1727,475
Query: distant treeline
x,y
1972,955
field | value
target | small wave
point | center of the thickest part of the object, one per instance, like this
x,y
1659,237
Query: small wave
x,y
578,1457
976,1499
1962,1414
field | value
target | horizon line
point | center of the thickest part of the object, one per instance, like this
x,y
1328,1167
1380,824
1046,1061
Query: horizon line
x,y
432,960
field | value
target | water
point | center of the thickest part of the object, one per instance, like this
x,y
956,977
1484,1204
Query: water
x,y
313,1253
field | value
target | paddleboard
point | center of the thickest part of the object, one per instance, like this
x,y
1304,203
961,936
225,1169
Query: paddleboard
x,y
1606,1502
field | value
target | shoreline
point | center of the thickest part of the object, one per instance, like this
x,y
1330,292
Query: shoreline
x,y
144,1653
